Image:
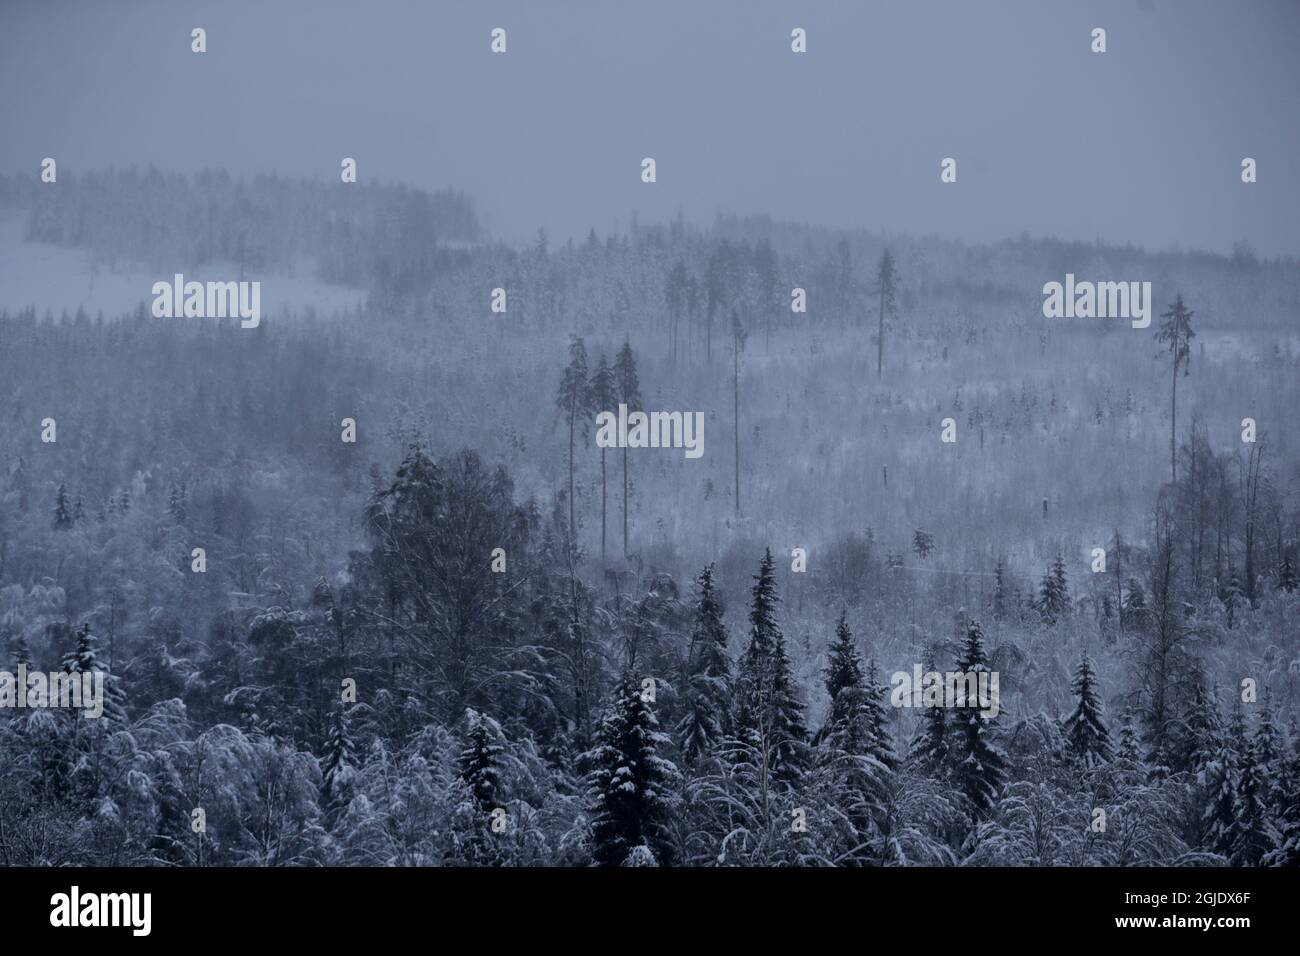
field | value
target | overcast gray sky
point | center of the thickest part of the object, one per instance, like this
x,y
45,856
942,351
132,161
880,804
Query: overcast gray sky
x,y
1142,143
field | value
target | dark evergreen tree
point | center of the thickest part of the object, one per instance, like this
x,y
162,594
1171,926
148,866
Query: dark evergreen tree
x,y
1202,726
770,714
1000,591
1134,612
1286,575
709,687
979,765
1054,594
338,765
932,745
62,510
877,717
844,669
1251,839
85,660
603,397
1176,332
631,783
1220,817
887,290
480,760
1232,597
1085,730
629,394
1287,851
571,399
1129,748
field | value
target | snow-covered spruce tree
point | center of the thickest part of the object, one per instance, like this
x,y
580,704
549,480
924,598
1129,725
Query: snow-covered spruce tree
x,y
1129,748
882,738
1202,727
1085,731
1054,594
1220,817
843,670
769,714
930,747
1253,837
630,782
978,764
1287,852
62,510
709,685
85,660
338,765
1268,752
480,760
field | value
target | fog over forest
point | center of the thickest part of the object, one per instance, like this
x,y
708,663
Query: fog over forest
x,y
634,543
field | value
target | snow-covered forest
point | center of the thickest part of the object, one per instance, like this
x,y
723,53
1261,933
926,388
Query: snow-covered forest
x,y
668,661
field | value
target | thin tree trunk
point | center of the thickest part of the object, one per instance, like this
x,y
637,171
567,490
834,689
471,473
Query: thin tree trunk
x,y
602,508
1173,416
625,501
735,384
880,341
573,414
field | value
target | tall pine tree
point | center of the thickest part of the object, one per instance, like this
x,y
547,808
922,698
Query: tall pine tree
x,y
630,782
1085,731
979,765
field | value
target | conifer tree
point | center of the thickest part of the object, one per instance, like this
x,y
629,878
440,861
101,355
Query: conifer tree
x,y
85,660
1220,817
603,397
1134,611
1128,741
572,399
338,766
1232,596
1268,748
630,782
62,511
844,669
877,717
1000,592
979,765
78,510
1176,333
1203,727
931,747
887,290
1251,839
480,760
1085,731
1054,594
629,394
770,714
1286,575
1287,851
706,719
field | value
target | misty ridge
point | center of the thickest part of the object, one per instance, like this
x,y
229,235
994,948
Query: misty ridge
x,y
434,619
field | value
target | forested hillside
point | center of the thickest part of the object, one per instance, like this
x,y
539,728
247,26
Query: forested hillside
x,y
472,636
